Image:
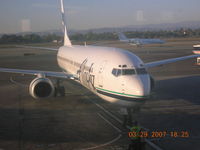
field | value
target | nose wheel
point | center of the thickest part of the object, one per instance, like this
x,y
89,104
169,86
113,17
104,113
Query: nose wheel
x,y
128,115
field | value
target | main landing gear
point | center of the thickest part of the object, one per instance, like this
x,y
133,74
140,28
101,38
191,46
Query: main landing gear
x,y
59,90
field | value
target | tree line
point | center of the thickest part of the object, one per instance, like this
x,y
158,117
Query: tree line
x,y
29,38
90,36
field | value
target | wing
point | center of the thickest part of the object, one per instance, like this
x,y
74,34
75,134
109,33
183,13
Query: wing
x,y
38,72
42,48
151,41
167,61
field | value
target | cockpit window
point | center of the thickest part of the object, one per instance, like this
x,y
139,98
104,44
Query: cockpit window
x,y
118,72
114,72
141,71
128,71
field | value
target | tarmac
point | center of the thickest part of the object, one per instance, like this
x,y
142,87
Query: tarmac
x,y
77,121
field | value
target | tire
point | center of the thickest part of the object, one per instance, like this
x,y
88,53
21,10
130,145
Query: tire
x,y
62,91
56,92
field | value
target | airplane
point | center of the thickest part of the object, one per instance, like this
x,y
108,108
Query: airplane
x,y
138,41
196,50
116,75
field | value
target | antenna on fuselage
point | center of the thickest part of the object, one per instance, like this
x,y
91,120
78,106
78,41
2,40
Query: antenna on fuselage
x,y
67,41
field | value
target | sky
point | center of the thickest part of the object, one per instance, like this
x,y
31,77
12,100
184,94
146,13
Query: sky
x,y
41,15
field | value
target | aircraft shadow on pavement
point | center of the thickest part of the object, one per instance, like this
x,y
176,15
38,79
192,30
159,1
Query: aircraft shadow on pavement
x,y
44,126
186,88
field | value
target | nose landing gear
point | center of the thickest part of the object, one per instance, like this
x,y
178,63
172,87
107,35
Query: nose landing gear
x,y
128,117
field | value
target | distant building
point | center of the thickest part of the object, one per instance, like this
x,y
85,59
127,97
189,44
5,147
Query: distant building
x,y
55,41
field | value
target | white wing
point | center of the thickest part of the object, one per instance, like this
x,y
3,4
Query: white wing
x,y
167,61
38,72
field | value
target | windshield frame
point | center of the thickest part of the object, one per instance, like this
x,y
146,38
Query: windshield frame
x,y
128,71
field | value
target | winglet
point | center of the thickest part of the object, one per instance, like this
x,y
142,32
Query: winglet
x,y
67,41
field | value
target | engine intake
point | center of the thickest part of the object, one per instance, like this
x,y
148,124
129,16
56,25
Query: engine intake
x,y
41,88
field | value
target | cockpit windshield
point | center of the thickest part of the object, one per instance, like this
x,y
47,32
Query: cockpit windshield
x,y
118,72
128,71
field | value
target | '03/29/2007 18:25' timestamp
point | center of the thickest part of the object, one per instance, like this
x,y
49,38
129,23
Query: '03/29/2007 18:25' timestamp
x,y
159,134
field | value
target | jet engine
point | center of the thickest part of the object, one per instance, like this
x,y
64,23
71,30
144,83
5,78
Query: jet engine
x,y
41,88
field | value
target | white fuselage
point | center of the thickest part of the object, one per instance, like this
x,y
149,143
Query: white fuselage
x,y
116,75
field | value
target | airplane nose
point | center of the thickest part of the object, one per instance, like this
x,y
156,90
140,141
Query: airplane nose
x,y
140,91
141,85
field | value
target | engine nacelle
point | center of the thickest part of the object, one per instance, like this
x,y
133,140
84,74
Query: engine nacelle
x,y
41,88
